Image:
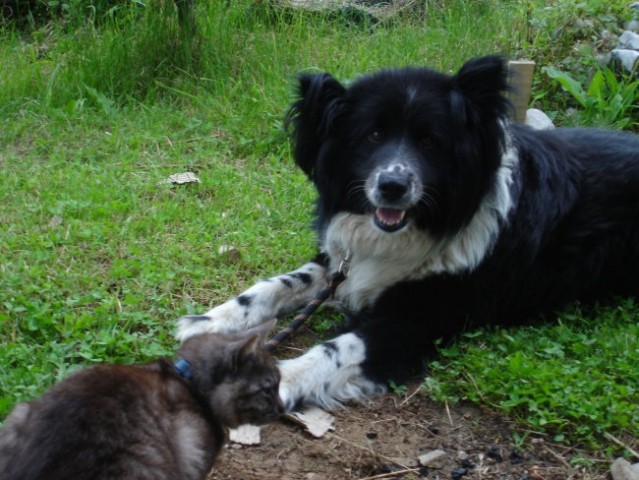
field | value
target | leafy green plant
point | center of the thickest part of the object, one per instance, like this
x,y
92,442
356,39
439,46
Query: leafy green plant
x,y
557,31
574,380
567,35
397,389
608,101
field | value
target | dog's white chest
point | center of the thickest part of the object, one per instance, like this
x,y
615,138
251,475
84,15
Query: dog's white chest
x,y
377,260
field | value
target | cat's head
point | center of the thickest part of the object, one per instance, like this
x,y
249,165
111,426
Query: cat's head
x,y
235,375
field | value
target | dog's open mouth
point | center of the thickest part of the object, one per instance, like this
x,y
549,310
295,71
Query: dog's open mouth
x,y
390,219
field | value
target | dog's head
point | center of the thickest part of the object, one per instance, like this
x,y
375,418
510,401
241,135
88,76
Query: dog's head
x,y
403,145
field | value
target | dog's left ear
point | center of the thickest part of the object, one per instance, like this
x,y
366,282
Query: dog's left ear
x,y
312,117
478,89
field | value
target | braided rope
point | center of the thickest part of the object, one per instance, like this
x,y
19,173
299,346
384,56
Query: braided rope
x,y
303,315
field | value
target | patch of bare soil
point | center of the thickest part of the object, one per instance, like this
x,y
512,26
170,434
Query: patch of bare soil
x,y
385,438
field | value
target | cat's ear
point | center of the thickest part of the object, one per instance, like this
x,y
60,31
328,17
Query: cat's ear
x,y
251,341
250,347
262,330
255,337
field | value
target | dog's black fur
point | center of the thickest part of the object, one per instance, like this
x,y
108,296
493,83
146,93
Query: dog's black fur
x,y
571,232
452,218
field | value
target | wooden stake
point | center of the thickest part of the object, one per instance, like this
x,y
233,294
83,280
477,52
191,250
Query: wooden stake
x,y
521,75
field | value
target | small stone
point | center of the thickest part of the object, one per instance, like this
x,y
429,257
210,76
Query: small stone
x,y
432,459
626,58
466,463
633,26
516,457
538,120
495,454
458,473
629,40
622,469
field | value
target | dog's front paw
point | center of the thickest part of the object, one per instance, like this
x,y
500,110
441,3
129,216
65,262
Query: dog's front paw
x,y
226,318
303,383
328,375
288,398
191,325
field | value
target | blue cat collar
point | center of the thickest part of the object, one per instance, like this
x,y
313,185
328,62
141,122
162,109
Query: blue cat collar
x,y
183,368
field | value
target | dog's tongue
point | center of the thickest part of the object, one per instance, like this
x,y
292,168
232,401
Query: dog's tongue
x,y
390,216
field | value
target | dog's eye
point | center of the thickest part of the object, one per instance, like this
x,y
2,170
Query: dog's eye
x,y
427,142
376,136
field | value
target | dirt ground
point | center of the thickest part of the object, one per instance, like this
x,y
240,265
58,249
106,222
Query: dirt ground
x,y
385,438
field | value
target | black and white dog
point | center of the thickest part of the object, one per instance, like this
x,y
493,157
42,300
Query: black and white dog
x,y
451,218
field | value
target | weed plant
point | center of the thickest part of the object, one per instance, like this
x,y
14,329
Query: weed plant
x,y
609,101
98,256
574,379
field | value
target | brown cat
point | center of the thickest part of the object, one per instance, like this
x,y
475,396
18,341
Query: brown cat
x,y
165,420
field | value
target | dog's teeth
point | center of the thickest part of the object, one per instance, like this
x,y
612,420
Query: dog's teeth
x,y
390,216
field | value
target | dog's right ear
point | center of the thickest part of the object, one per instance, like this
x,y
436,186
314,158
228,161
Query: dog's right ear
x,y
312,117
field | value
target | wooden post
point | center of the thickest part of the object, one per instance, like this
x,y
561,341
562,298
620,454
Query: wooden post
x,y
521,75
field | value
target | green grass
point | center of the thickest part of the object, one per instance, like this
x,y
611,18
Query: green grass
x,y
98,258
574,380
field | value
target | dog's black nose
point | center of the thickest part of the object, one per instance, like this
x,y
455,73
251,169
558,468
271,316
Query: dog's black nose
x,y
392,187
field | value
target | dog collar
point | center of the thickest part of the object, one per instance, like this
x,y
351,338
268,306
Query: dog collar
x,y
183,368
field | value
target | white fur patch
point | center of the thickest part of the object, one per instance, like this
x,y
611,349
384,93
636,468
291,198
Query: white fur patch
x,y
14,424
188,439
328,374
397,167
380,259
264,301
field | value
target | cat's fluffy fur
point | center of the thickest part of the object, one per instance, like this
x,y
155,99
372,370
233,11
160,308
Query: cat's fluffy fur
x,y
143,422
